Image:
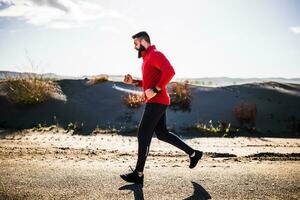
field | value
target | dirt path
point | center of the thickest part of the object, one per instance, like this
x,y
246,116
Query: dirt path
x,y
57,165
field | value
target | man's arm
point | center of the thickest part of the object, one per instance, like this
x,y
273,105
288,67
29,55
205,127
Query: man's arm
x,y
167,73
137,83
162,63
129,80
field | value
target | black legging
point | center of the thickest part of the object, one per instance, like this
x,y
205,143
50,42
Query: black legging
x,y
154,119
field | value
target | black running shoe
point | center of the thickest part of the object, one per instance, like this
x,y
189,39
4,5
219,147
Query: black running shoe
x,y
194,160
133,177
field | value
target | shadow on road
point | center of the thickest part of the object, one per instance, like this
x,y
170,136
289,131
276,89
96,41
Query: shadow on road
x,y
199,192
137,190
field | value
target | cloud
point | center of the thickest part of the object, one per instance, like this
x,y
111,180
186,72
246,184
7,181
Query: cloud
x,y
55,13
295,29
5,4
52,3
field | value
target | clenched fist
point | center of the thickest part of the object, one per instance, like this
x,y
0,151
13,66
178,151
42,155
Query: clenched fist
x,y
149,93
128,79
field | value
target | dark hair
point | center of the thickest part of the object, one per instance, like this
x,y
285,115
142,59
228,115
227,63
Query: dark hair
x,y
142,35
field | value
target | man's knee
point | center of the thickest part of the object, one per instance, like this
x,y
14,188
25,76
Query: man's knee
x,y
162,135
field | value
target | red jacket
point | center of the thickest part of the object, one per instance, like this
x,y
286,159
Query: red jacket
x,y
157,71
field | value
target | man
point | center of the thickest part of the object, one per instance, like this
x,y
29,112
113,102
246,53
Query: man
x,y
157,73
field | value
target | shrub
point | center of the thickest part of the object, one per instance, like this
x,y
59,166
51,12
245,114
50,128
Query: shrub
x,y
45,128
133,100
104,131
75,127
181,96
30,89
245,112
222,128
98,79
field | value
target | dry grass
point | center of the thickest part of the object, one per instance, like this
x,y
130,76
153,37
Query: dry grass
x,y
222,129
29,89
245,112
98,130
98,79
181,96
133,100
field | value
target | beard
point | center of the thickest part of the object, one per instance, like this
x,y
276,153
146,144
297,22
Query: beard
x,y
142,48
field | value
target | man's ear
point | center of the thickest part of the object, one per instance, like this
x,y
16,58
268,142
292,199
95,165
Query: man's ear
x,y
144,42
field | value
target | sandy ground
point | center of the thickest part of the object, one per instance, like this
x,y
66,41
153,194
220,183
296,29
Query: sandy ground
x,y
58,165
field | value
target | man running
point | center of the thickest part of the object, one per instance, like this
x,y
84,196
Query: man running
x,y
156,74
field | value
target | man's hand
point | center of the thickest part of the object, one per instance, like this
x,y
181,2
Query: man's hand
x,y
128,79
149,93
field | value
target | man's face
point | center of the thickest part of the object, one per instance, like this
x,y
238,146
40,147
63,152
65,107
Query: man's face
x,y
139,46
137,43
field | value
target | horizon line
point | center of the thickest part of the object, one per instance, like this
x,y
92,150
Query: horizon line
x,y
75,76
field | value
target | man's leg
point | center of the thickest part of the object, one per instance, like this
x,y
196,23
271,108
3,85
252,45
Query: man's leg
x,y
163,134
151,116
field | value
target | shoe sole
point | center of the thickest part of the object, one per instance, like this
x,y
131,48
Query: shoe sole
x,y
197,160
140,182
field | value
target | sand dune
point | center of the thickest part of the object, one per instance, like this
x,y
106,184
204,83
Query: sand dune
x,y
278,108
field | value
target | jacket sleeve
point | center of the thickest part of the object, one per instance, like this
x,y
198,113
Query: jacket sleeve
x,y
139,83
163,64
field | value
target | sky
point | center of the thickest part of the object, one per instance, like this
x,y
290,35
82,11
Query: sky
x,y
200,38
